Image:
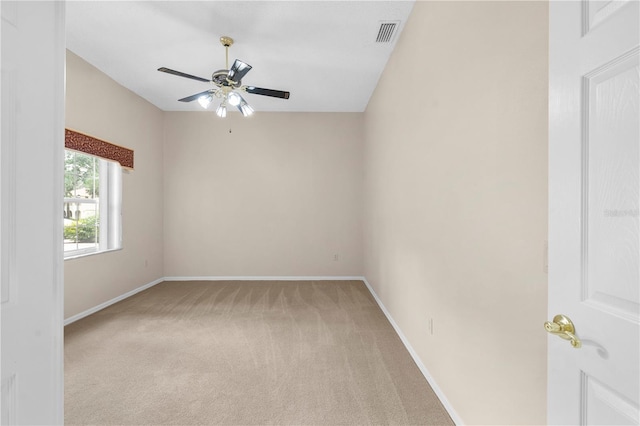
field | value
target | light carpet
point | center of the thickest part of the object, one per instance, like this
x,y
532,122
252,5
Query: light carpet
x,y
244,353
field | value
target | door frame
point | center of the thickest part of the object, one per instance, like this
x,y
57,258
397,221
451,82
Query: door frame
x,y
34,278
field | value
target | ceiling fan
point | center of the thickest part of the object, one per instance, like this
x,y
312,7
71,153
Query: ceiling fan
x,y
227,85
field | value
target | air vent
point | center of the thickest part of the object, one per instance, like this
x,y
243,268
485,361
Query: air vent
x,y
387,31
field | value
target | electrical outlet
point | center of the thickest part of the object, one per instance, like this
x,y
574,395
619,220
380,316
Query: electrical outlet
x,y
336,257
431,326
146,263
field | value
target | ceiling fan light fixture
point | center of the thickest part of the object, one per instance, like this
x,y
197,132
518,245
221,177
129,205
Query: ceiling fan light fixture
x,y
234,99
205,101
222,110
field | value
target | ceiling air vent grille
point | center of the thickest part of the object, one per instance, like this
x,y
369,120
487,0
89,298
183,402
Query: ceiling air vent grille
x,y
386,32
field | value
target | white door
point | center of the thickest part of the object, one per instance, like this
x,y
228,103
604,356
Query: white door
x,y
31,149
594,209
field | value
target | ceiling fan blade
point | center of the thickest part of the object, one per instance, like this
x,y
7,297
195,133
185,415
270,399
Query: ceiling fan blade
x,y
267,92
194,97
181,74
238,70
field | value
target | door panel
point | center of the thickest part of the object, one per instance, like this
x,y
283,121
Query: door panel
x,y
605,406
610,179
596,12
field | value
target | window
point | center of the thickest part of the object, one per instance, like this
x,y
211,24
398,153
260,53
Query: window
x,y
92,204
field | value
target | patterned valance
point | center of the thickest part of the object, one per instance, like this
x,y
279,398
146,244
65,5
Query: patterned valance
x,y
90,145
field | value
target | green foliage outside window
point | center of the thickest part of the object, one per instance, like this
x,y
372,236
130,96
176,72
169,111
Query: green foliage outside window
x,y
81,176
82,230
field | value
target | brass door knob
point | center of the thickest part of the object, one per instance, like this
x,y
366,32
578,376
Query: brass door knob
x,y
562,326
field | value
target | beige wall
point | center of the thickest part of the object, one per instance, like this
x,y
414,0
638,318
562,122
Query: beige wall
x,y
98,106
456,201
277,194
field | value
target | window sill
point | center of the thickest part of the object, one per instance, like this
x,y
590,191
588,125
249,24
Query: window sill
x,y
93,253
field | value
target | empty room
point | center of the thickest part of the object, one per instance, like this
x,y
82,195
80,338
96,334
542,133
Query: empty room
x,y
320,212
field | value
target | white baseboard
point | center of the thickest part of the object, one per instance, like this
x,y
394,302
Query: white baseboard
x,y
445,402
101,306
267,278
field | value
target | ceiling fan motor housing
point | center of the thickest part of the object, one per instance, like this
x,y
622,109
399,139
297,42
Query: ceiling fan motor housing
x,y
219,78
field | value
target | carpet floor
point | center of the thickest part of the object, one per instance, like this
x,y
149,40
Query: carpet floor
x,y
244,353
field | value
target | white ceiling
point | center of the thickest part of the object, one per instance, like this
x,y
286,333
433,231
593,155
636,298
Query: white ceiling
x,y
323,52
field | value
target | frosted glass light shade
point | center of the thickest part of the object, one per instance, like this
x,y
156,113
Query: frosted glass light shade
x,y
222,111
245,109
234,99
205,101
